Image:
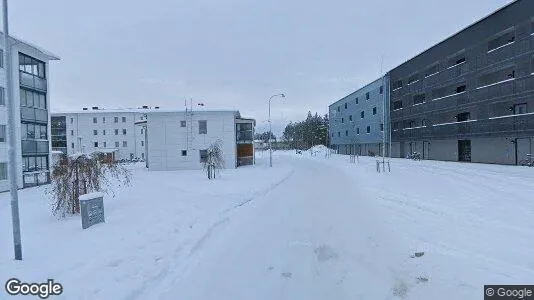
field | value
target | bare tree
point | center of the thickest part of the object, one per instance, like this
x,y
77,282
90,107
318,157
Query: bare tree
x,y
80,174
214,160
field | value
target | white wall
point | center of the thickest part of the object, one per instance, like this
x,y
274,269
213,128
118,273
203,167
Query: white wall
x,y
166,139
82,126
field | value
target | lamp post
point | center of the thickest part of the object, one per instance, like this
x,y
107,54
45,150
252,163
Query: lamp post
x,y
270,129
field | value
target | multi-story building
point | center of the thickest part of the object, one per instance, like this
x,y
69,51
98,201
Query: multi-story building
x,y
103,130
357,123
32,103
470,97
177,140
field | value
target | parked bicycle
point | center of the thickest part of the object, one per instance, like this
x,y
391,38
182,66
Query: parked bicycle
x,y
414,156
527,162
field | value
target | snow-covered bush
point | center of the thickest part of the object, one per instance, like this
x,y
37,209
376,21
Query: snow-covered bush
x,y
79,174
214,160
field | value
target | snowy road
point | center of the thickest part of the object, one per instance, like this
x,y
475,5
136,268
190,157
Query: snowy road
x,y
313,237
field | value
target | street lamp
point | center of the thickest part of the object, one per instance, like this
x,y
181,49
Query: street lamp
x,y
270,129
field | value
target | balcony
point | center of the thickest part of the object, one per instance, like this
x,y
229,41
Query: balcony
x,y
31,81
32,147
244,136
33,114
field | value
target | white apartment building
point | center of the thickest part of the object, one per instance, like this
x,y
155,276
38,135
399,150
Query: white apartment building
x,y
103,130
31,96
178,140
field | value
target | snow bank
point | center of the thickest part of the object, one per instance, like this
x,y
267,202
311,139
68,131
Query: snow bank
x,y
90,196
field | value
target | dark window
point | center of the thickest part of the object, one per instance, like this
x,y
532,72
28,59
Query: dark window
x,y
397,84
368,129
374,110
358,130
457,59
142,143
424,122
3,171
32,99
103,132
72,145
381,90
520,109
96,144
123,119
504,38
103,119
125,144
345,105
124,132
496,76
203,127
338,134
95,132
338,109
116,132
367,96
396,125
184,152
116,119
357,97
32,66
2,133
117,144
397,104
432,70
105,145
418,99
409,124
71,120
72,132
463,117
94,120
346,133
413,78
342,120
2,96
350,118
203,155
182,124
362,114
461,88
381,127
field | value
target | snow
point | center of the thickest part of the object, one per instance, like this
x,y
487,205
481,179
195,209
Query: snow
x,y
312,227
90,196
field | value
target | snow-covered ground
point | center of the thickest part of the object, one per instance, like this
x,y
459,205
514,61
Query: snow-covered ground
x,y
313,227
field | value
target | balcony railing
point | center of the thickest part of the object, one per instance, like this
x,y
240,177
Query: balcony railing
x,y
32,81
34,114
34,147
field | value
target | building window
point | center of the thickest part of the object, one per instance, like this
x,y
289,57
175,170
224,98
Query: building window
x,y
142,131
397,104
409,124
71,120
396,85
424,122
123,119
72,132
95,132
202,127
105,144
2,59
461,89
124,144
3,171
2,96
346,133
124,132
362,114
338,134
117,144
116,132
32,66
338,109
367,96
96,144
342,120
350,118
345,105
116,119
462,117
418,99
506,37
2,133
142,155
432,70
374,110
381,126
184,152
182,123
495,77
381,90
457,60
103,119
357,130
368,129
203,155
142,143
72,145
94,120
413,79
356,100
520,109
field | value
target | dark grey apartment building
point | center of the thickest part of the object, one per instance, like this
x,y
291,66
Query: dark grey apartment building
x,y
470,97
356,122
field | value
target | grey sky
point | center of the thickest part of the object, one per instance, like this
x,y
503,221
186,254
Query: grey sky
x,y
230,53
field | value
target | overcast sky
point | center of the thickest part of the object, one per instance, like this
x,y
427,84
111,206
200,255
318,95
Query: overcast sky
x,y
230,53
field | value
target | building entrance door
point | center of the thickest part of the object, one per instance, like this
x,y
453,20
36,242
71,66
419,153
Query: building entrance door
x,y
464,150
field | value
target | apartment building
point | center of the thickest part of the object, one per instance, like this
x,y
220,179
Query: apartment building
x,y
178,140
32,103
470,97
356,122
103,130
